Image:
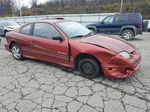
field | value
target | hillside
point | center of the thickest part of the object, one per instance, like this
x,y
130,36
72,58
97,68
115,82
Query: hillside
x,y
82,6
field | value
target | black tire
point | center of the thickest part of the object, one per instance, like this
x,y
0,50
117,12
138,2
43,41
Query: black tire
x,y
89,68
16,52
4,33
128,34
92,30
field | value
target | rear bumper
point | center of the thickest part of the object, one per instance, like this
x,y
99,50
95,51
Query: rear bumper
x,y
122,70
139,31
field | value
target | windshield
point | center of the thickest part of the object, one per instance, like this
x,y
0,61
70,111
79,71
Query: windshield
x,y
73,29
108,20
10,24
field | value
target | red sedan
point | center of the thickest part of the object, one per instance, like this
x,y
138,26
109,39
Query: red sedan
x,y
70,44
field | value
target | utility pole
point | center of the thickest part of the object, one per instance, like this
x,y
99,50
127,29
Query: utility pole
x,y
12,9
20,8
121,7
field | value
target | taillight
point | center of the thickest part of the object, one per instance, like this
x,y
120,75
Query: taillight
x,y
140,25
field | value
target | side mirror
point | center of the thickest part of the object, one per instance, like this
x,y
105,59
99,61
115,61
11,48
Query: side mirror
x,y
102,22
58,38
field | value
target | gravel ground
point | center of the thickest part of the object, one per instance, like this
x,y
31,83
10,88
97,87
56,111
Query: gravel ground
x,y
36,86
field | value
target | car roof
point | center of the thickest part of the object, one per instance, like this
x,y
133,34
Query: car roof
x,y
128,14
52,20
47,21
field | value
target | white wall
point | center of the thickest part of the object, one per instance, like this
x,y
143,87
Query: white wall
x,y
81,18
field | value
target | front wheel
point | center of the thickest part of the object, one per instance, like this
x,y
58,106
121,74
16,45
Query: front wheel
x,y
16,52
89,68
128,34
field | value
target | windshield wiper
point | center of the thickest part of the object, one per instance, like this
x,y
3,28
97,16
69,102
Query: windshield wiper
x,y
78,36
89,34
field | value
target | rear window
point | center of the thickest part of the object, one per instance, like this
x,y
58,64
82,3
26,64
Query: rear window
x,y
128,18
26,29
121,18
133,18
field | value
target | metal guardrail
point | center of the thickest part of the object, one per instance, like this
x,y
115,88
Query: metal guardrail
x,y
81,18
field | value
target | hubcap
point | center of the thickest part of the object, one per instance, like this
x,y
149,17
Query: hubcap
x,y
16,52
88,68
127,35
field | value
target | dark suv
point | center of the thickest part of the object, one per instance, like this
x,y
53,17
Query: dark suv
x,y
127,25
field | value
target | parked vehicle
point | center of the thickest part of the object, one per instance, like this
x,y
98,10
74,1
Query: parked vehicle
x,y
7,26
145,25
70,44
127,25
148,27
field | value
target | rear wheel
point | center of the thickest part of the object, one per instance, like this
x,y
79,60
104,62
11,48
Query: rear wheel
x,y
128,34
92,30
89,68
16,52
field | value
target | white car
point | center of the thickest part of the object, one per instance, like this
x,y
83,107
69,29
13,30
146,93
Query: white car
x,y
148,27
6,26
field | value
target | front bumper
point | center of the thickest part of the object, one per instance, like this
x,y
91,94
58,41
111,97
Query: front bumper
x,y
121,69
139,31
7,46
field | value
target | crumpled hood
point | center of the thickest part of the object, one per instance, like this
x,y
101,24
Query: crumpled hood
x,y
112,43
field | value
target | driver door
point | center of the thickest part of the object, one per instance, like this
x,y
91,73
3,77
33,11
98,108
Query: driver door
x,y
107,26
45,47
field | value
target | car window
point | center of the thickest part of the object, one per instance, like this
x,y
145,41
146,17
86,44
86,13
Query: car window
x,y
45,30
121,18
108,20
132,18
26,29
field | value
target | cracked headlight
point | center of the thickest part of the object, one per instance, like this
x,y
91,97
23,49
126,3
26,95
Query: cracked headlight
x,y
125,55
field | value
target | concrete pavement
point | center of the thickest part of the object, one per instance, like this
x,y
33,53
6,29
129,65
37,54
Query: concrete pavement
x,y
35,86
